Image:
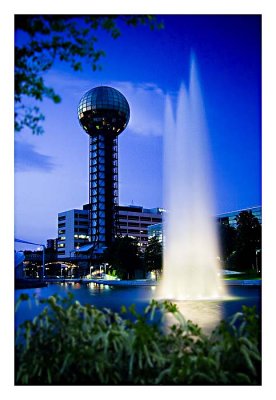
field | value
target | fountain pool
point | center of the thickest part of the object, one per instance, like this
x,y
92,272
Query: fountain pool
x,y
206,313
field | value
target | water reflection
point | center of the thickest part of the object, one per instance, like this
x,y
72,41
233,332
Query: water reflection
x,y
96,288
203,312
206,314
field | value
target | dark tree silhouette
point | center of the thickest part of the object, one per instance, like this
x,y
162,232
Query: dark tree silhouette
x,y
227,238
124,256
153,256
248,242
43,39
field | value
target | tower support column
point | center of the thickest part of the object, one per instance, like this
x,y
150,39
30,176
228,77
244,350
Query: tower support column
x,y
103,188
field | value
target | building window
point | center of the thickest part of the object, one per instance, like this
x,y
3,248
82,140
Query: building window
x,y
133,231
85,223
83,230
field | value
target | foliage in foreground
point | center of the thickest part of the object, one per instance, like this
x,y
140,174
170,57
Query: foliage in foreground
x,y
69,343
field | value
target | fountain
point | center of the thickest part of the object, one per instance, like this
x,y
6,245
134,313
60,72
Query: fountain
x,y
191,268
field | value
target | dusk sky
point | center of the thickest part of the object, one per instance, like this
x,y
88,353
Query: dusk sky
x,y
51,170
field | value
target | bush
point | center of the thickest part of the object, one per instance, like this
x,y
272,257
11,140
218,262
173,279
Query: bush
x,y
74,344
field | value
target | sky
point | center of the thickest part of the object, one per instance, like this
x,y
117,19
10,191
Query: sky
x,y
51,170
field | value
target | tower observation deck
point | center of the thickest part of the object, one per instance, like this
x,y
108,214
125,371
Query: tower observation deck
x,y
103,113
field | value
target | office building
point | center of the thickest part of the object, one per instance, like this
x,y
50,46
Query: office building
x,y
135,221
52,244
73,227
73,232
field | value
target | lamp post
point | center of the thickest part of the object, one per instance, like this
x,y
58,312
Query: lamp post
x,y
257,268
76,251
105,265
43,261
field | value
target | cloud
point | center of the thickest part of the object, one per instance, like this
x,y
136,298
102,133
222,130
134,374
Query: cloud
x,y
146,99
66,84
27,158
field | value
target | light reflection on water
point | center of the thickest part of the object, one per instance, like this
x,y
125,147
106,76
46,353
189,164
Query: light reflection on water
x,y
203,312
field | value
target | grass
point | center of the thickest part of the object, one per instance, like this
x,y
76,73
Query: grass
x,y
244,276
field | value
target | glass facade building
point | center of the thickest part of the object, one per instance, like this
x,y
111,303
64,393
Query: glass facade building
x,y
103,113
230,217
156,230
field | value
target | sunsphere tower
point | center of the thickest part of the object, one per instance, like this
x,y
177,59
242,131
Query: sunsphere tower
x,y
103,113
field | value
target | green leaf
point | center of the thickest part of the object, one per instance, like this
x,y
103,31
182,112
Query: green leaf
x,y
248,361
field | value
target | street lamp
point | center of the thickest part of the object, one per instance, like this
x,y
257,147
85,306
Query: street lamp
x,y
257,251
43,260
105,265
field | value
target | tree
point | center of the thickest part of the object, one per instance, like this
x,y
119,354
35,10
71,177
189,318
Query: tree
x,y
153,256
124,256
227,237
248,241
43,39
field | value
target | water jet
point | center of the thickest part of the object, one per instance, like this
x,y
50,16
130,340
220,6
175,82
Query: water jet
x,y
191,268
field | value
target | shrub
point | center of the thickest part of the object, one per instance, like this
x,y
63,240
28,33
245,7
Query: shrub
x,y
73,344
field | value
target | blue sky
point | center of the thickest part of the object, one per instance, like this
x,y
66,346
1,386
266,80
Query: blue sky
x,y
51,171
